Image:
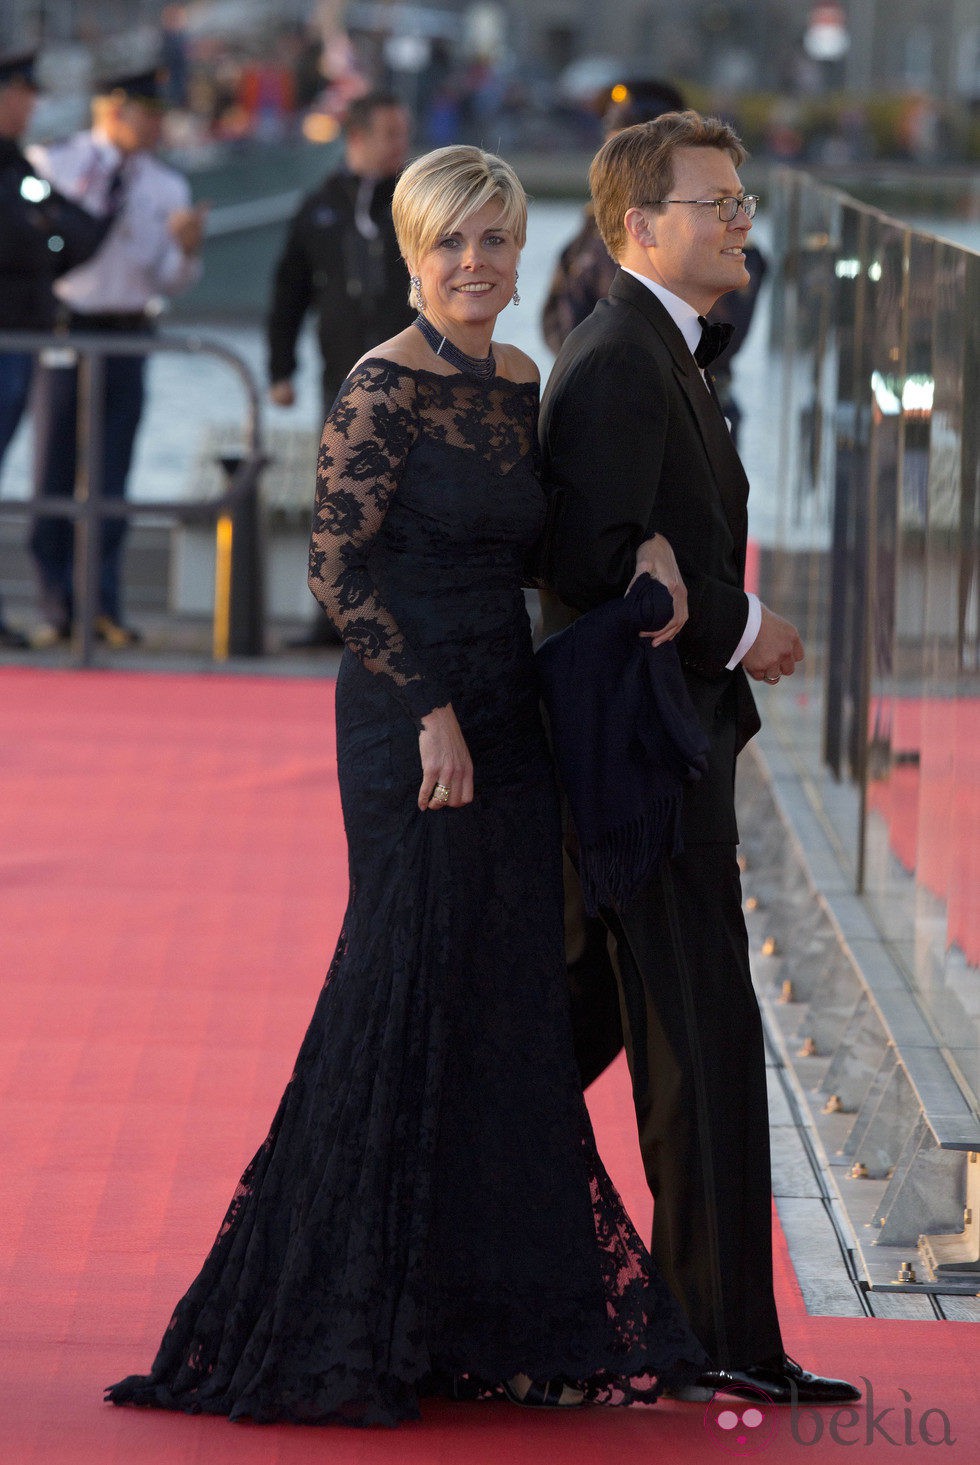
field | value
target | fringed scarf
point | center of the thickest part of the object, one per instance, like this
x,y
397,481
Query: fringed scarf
x,y
626,739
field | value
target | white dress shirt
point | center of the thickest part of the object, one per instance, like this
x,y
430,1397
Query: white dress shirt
x,y
686,319
139,261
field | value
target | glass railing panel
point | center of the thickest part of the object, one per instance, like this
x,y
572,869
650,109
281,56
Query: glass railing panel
x,y
897,470
874,550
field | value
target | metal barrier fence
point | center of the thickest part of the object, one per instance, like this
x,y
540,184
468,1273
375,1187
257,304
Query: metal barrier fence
x,y
239,597
875,344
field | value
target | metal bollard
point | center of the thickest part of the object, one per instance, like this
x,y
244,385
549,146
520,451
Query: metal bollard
x,y
239,588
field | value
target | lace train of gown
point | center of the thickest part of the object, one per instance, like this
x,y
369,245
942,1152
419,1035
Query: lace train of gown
x,y
429,1202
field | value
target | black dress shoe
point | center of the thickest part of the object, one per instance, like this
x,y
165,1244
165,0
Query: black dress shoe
x,y
783,1380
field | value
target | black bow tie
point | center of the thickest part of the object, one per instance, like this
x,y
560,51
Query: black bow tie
x,y
715,336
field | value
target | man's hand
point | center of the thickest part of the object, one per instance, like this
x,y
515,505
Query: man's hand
x,y
656,558
775,651
283,393
187,227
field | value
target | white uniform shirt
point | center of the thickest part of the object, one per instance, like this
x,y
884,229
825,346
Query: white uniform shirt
x,y
139,261
685,318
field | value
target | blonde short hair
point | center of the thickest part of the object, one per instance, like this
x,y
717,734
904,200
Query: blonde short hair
x,y
636,166
436,193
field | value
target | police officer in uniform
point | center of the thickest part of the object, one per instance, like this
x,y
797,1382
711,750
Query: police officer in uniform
x,y
341,258
27,264
151,252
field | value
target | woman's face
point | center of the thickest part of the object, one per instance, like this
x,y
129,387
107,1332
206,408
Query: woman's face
x,y
468,276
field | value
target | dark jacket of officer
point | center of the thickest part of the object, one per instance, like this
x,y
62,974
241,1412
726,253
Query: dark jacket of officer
x,y
358,285
27,263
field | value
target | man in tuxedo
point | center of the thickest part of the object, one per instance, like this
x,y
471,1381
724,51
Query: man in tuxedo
x,y
635,443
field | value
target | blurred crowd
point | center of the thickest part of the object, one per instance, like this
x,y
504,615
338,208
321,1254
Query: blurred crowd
x,y
288,79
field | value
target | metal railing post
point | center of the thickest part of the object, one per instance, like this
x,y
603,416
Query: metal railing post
x,y
239,610
90,494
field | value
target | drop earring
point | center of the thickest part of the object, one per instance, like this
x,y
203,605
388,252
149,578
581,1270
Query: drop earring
x,y
418,299
517,294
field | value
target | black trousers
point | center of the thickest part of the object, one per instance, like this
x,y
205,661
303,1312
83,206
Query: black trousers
x,y
693,1036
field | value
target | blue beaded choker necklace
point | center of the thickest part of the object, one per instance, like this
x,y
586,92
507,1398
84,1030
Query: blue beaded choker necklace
x,y
484,368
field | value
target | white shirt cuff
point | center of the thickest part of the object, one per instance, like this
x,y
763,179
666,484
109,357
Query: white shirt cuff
x,y
752,624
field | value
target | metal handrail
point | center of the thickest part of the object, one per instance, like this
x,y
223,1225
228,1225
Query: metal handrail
x,y
88,506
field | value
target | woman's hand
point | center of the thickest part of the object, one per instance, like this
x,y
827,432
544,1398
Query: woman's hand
x,y
446,762
655,557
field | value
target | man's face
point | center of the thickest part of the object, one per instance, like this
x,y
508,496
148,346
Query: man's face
x,y
692,252
17,101
133,125
381,149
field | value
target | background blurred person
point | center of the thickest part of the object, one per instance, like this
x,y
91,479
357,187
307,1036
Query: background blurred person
x,y
26,262
341,259
175,56
584,270
42,234
341,255
152,250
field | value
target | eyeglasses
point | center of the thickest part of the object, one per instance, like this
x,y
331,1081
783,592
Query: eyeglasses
x,y
727,207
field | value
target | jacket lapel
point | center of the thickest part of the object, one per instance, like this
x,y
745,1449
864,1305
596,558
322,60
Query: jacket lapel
x,y
726,466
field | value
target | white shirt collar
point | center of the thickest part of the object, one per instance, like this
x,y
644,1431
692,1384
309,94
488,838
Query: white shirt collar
x,y
684,316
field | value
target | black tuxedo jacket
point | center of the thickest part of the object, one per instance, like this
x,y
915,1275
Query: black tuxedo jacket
x,y
634,444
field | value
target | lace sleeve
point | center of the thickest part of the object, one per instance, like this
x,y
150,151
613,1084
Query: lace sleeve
x,y
366,441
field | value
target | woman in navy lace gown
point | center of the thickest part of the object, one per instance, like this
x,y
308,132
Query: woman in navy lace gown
x,y
428,1213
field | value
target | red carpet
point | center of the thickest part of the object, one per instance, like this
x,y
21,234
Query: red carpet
x,y
930,803
172,877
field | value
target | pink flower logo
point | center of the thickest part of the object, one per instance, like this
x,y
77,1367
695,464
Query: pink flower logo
x,y
741,1426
